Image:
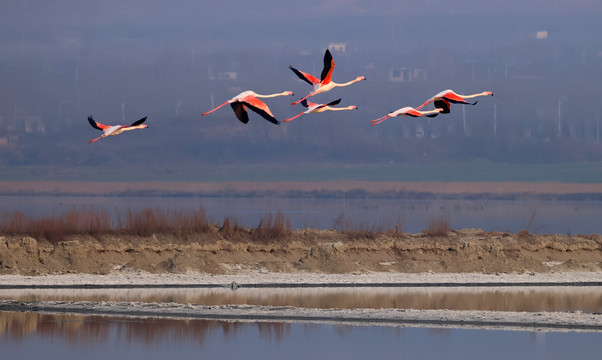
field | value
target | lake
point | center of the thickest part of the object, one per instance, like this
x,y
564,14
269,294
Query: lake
x,y
39,336
537,216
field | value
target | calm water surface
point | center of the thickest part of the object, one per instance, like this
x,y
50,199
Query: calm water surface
x,y
563,217
36,336
585,299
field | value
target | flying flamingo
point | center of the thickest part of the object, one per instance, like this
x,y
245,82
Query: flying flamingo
x,y
318,108
449,96
325,83
407,111
115,129
249,99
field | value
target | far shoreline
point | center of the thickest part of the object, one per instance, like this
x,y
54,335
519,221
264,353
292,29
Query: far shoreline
x,y
350,189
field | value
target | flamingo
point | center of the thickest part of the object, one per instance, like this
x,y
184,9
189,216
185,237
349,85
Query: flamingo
x,y
449,96
318,108
325,83
115,129
249,99
407,111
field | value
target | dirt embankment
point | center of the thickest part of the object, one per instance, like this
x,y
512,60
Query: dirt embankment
x,y
325,251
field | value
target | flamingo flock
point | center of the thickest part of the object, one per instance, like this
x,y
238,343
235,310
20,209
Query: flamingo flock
x,y
249,100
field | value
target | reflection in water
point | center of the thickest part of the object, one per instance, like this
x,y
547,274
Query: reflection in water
x,y
15,326
32,336
585,299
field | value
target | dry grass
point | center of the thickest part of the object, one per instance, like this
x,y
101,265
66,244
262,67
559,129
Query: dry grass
x,y
143,223
272,228
437,227
56,228
356,231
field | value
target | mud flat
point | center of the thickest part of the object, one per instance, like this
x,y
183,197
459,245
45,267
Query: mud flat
x,y
540,321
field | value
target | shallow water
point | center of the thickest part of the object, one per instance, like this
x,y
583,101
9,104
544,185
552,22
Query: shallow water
x,y
584,299
35,336
562,217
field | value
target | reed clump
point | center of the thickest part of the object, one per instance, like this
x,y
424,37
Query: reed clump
x,y
437,227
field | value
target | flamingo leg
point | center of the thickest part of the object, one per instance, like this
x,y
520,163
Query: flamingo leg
x,y
308,95
294,117
423,105
379,120
98,138
210,111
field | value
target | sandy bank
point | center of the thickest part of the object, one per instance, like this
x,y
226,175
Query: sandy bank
x,y
304,251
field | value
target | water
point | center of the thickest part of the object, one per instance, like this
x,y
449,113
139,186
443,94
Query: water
x,y
584,299
36,336
562,217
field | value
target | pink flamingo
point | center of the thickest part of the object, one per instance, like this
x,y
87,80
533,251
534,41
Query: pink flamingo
x,y
325,82
115,129
449,96
249,99
407,111
318,108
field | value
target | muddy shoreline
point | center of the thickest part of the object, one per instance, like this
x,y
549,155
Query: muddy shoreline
x,y
539,321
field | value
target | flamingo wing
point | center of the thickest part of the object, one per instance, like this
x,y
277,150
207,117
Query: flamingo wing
x,y
326,76
332,103
412,112
139,122
442,104
97,125
307,104
311,80
455,98
260,108
240,111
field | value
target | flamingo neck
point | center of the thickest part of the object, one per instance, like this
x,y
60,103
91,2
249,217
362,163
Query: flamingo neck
x,y
340,108
284,93
349,82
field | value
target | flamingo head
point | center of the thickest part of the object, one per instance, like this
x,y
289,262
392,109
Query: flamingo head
x,y
488,93
359,78
288,93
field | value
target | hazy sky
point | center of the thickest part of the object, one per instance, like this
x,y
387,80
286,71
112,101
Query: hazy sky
x,y
63,60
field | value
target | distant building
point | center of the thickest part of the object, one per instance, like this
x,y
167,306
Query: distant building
x,y
33,124
337,47
224,76
400,74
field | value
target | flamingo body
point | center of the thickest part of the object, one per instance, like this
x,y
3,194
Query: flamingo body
x,y
109,130
450,96
325,82
318,108
407,111
250,100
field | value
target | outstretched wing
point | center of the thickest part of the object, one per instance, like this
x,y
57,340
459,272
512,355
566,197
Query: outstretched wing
x,y
332,103
265,113
240,111
96,125
259,107
139,122
311,80
326,76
